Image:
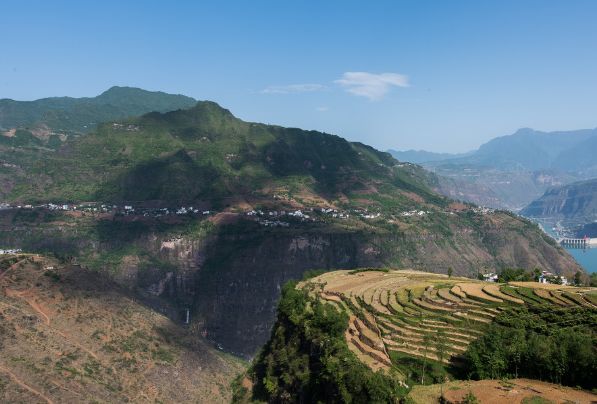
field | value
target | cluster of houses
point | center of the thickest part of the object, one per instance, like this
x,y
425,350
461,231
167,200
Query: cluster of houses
x,y
414,213
548,277
490,277
545,277
270,218
10,251
483,210
128,127
266,218
116,209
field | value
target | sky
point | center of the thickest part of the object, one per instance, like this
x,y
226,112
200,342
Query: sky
x,y
443,76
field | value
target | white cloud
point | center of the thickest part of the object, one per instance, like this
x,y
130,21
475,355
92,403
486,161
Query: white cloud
x,y
292,89
370,85
322,109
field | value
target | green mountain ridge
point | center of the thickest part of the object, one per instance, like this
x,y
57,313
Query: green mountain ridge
x,y
83,114
203,153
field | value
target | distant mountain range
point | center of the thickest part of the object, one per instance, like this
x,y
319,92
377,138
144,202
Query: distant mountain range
x,y
532,150
511,171
83,114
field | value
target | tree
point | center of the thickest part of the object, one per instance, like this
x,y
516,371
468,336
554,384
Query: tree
x,y
441,347
450,271
536,274
426,342
578,278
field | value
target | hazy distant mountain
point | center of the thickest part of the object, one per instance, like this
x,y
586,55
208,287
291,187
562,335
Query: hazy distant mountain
x,y
83,114
528,149
422,156
575,202
511,171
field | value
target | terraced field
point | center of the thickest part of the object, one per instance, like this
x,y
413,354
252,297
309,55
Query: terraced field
x,y
393,313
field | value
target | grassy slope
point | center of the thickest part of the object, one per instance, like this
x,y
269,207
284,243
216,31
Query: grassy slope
x,y
68,335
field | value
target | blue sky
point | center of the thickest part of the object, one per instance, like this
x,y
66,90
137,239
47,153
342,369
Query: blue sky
x,y
435,75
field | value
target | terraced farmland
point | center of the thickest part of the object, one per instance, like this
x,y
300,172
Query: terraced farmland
x,y
425,315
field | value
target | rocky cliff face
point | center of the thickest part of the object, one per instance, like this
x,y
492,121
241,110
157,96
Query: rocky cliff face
x,y
574,202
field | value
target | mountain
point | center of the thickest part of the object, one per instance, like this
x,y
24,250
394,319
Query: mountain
x,y
573,203
369,335
421,156
66,114
196,209
532,150
511,171
496,188
68,334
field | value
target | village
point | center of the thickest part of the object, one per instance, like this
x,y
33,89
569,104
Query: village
x,y
543,277
266,218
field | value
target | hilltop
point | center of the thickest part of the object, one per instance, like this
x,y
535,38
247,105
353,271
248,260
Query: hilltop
x,y
63,115
378,332
197,208
68,335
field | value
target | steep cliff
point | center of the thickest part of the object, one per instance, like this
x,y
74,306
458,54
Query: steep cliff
x,y
576,202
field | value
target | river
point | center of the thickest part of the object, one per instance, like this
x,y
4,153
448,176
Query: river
x,y
586,257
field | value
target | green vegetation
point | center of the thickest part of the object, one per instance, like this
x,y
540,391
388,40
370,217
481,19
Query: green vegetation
x,y
513,275
307,360
419,328
206,153
82,114
556,344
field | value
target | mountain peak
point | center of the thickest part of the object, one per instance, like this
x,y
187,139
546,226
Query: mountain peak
x,y
118,95
525,131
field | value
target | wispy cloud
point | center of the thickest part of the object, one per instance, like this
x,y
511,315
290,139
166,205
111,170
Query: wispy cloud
x,y
371,85
293,89
322,109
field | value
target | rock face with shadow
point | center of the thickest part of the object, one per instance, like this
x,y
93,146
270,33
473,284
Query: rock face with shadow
x,y
238,291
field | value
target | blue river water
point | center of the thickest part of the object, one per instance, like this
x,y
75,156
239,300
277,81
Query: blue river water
x,y
587,258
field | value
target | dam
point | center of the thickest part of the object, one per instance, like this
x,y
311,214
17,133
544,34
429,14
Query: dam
x,y
584,242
